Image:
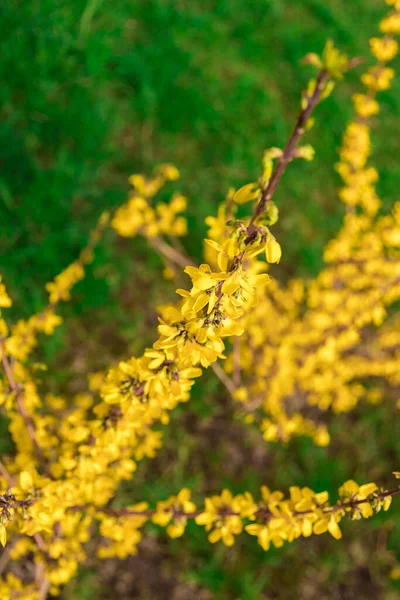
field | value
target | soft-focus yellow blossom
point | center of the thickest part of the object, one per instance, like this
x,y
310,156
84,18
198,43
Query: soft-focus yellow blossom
x,y
5,300
384,49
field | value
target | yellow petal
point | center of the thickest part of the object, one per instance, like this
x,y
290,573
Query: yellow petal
x,y
200,302
367,489
230,286
307,528
214,536
273,251
334,529
264,539
320,526
3,535
253,529
222,261
246,193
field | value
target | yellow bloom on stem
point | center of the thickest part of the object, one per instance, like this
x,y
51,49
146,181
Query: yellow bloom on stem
x,y
222,517
5,300
175,508
273,251
384,49
246,193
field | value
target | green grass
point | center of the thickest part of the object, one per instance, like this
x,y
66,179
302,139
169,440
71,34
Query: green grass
x,y
93,92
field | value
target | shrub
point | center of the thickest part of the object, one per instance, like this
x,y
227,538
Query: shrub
x,y
291,354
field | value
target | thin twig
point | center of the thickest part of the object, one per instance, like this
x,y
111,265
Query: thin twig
x,y
168,252
5,556
236,376
39,542
223,377
6,474
44,587
177,513
288,152
29,423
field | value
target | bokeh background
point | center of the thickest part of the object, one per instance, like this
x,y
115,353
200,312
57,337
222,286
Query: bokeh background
x,y
94,91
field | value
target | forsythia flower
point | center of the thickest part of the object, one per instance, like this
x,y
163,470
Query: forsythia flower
x,y
122,534
391,24
222,517
378,78
175,508
365,106
5,300
384,49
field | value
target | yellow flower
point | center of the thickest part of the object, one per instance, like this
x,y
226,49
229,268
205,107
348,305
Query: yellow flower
x,y
175,508
5,300
168,171
221,517
384,49
365,106
391,23
378,78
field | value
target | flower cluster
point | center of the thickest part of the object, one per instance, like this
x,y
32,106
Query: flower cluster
x,y
138,216
276,519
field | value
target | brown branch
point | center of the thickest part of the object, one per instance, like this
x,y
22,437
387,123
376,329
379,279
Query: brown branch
x,y
5,556
39,542
223,377
236,377
42,582
176,513
288,152
6,475
168,252
44,590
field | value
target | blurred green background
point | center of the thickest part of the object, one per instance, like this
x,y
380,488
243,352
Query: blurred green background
x,y
94,91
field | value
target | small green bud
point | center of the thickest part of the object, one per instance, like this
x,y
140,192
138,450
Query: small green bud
x,y
334,61
269,216
328,90
312,59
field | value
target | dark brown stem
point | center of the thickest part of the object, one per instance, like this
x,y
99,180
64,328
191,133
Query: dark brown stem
x,y
288,152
